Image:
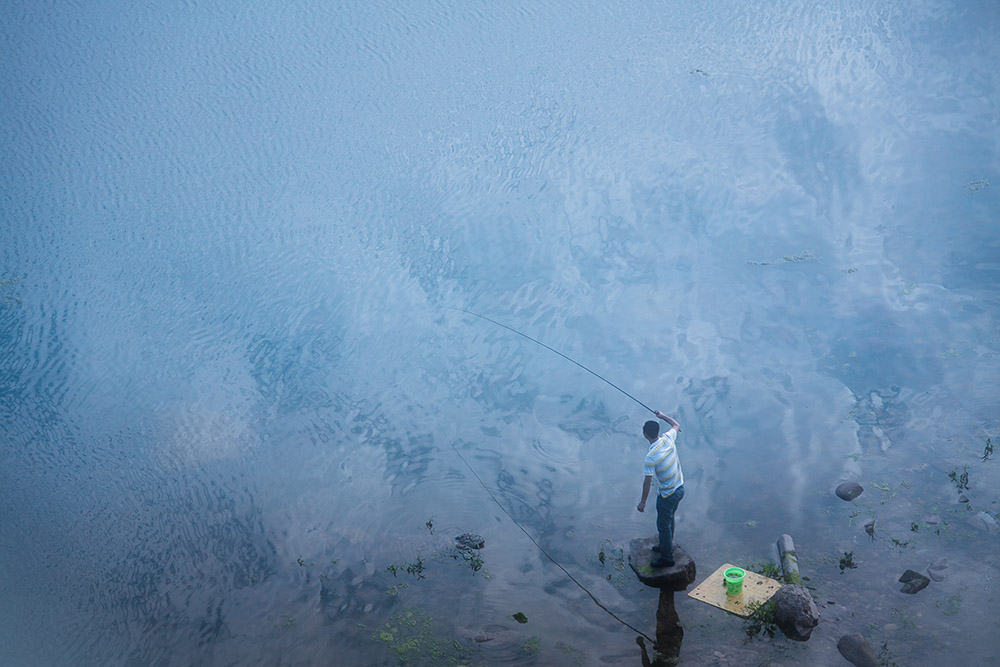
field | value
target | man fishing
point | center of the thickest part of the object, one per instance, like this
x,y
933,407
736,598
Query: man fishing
x,y
662,462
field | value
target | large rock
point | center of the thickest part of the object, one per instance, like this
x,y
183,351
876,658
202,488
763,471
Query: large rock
x,y
855,648
795,613
676,577
849,491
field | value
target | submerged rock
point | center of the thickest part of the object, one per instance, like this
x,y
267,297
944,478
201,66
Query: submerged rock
x,y
937,569
470,541
849,491
676,577
351,596
857,651
986,520
913,582
493,636
795,613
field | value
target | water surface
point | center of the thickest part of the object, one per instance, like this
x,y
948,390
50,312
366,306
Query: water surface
x,y
233,392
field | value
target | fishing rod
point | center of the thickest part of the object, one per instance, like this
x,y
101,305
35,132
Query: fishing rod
x,y
535,340
504,509
547,555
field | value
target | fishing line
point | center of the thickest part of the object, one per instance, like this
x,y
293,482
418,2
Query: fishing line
x,y
534,340
557,563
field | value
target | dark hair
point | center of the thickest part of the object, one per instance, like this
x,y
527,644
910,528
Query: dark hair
x,y
651,429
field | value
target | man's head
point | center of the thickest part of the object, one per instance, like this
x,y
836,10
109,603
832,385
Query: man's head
x,y
651,430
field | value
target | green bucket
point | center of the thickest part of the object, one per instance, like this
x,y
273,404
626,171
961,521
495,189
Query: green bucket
x,y
734,580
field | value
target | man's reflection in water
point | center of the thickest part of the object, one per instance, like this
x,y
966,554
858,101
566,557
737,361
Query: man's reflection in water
x,y
669,634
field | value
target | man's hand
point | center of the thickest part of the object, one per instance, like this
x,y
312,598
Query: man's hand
x,y
664,417
641,506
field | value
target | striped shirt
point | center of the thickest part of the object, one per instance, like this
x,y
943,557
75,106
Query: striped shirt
x,y
662,463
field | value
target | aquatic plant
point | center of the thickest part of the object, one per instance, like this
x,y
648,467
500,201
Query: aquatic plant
x,y
430,525
473,558
531,645
394,591
410,635
805,256
885,658
847,561
616,555
988,451
520,617
760,620
977,185
768,568
961,481
578,655
887,490
954,605
415,568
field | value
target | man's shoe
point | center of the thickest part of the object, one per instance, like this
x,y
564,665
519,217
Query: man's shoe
x,y
661,562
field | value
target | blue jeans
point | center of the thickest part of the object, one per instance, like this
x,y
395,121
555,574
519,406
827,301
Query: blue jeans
x,y
665,508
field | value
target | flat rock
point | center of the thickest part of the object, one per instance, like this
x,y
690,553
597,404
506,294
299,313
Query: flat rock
x,y
857,651
676,577
913,582
849,491
795,613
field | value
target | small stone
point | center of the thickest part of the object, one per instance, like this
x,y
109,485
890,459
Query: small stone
x,y
890,627
962,498
857,651
795,612
937,569
913,582
989,522
932,520
849,491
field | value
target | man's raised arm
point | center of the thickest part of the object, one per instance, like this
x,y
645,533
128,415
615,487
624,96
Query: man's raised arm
x,y
670,420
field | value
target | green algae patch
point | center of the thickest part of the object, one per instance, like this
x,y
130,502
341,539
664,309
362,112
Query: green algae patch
x,y
578,656
410,636
520,617
531,645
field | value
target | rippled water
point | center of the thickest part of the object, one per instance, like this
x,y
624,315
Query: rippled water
x,y
234,392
